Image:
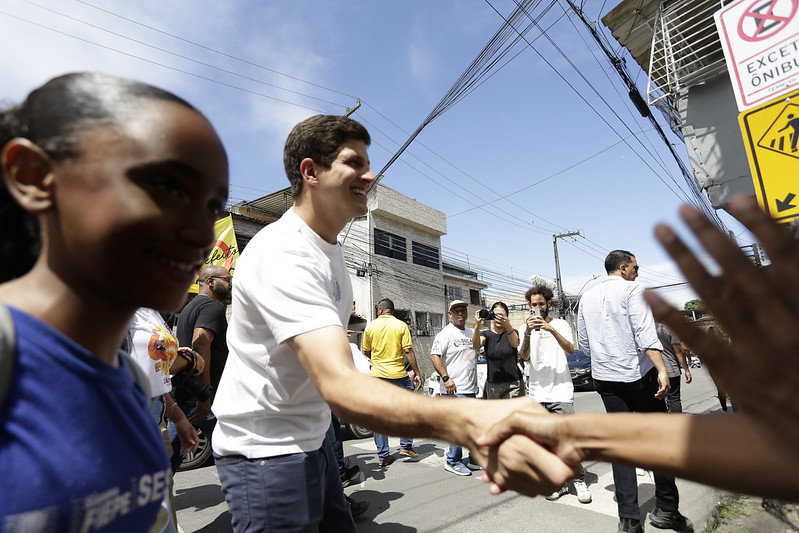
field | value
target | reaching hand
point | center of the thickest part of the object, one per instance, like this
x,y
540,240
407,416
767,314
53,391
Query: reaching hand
x,y
664,385
758,307
200,412
189,440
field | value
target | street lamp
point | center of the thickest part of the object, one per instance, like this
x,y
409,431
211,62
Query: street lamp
x,y
579,292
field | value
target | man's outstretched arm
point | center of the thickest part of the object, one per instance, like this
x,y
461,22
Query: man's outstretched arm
x,y
393,410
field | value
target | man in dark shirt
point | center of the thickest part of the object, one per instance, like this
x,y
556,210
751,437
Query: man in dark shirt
x,y
203,326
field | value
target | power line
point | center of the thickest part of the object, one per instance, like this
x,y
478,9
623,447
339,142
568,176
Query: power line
x,y
128,54
578,93
181,56
214,50
701,201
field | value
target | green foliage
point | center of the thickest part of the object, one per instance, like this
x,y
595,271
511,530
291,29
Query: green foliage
x,y
697,306
694,304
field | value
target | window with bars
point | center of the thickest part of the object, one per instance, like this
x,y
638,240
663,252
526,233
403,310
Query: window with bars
x,y
425,255
455,293
390,245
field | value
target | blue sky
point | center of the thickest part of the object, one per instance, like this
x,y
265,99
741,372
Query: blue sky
x,y
522,157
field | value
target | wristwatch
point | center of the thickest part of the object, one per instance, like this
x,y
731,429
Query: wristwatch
x,y
444,378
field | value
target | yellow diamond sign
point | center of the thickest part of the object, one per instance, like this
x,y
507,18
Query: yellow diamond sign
x,y
771,137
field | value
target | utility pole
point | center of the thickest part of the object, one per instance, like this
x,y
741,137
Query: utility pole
x,y
561,296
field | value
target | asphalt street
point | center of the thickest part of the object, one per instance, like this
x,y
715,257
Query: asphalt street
x,y
420,496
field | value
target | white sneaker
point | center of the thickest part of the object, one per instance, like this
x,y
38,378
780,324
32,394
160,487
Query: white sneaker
x,y
459,469
558,493
583,494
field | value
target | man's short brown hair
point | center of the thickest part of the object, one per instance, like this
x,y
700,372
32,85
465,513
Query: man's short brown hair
x,y
320,138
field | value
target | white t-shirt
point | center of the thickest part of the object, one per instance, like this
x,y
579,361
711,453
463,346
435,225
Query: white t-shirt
x,y
153,347
550,379
288,281
455,348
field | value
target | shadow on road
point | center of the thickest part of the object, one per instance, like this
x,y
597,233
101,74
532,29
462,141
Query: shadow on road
x,y
378,503
200,497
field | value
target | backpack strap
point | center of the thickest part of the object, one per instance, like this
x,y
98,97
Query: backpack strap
x,y
138,374
8,346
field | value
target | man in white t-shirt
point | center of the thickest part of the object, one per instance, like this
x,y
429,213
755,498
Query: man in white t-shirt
x,y
455,361
290,357
545,341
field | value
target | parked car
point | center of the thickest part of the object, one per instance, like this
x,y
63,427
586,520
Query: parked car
x,y
580,369
355,431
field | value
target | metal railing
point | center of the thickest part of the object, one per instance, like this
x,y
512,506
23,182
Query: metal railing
x,y
686,51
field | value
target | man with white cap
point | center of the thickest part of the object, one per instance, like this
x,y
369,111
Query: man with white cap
x,y
455,361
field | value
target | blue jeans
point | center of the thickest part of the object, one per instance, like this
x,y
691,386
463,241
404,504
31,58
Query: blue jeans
x,y
455,452
381,441
157,409
298,492
337,442
673,399
636,397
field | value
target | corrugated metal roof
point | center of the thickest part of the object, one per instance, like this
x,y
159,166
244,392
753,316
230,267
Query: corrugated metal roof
x,y
632,23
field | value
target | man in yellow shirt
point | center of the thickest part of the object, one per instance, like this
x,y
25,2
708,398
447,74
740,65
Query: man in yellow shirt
x,y
387,343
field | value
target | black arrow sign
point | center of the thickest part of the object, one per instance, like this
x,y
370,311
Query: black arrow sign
x,y
783,205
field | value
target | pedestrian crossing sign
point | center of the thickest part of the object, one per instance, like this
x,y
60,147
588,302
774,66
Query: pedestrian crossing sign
x,y
771,137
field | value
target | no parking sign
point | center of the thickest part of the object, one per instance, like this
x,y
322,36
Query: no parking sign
x,y
760,39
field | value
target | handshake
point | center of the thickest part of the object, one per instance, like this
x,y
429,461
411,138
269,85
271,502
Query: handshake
x,y
753,451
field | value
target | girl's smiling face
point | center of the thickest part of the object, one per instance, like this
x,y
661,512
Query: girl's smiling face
x,y
133,214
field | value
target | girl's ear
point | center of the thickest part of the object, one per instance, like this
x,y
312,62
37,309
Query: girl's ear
x,y
28,174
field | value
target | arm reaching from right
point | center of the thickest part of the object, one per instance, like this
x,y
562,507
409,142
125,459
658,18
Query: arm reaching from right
x,y
759,307
727,451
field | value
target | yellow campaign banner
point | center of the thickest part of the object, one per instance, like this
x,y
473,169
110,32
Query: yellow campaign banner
x,y
225,251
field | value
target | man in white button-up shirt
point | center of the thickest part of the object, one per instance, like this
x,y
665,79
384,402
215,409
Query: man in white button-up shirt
x,y
616,329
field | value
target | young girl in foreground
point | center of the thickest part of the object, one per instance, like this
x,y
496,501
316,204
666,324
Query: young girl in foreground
x,y
124,182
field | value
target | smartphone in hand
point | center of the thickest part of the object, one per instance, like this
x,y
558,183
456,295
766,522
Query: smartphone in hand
x,y
535,312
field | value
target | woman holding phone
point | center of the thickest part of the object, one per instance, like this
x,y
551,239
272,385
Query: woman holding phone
x,y
500,341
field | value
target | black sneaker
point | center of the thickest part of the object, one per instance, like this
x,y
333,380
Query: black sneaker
x,y
349,473
630,525
356,508
670,520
